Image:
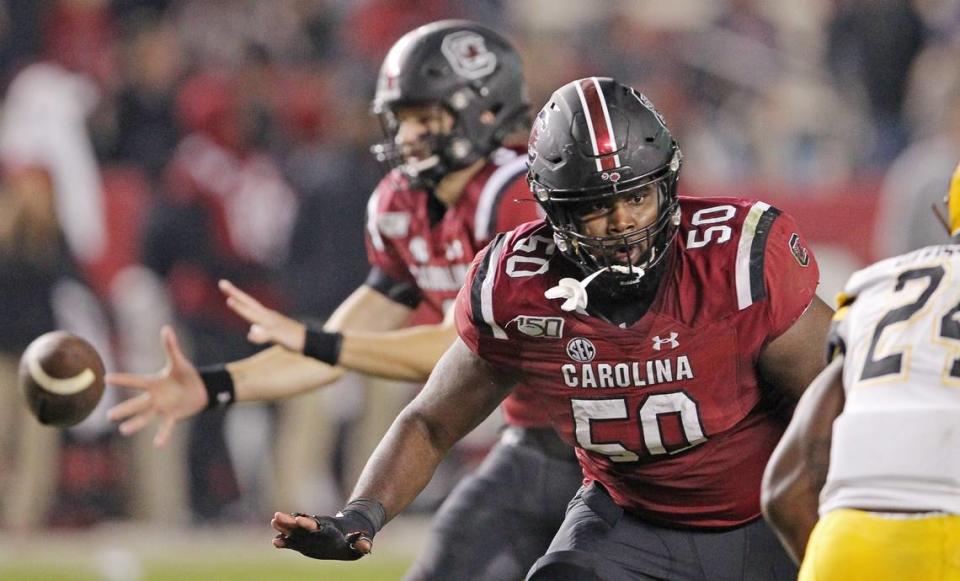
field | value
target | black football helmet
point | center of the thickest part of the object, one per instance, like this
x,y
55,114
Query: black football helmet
x,y
467,69
593,142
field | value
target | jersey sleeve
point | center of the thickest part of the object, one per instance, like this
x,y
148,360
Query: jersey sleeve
x,y
478,322
505,201
381,253
790,273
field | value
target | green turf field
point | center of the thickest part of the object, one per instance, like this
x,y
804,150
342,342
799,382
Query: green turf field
x,y
132,552
240,570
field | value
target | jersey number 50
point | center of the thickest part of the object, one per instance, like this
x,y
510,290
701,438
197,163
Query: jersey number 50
x,y
712,233
586,411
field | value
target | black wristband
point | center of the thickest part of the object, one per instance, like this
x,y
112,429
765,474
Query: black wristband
x,y
370,510
219,385
322,345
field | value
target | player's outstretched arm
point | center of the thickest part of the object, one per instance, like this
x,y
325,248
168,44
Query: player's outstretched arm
x,y
266,324
797,469
179,390
405,354
278,373
174,393
461,392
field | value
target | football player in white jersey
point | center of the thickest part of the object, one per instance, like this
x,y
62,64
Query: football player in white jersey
x,y
874,445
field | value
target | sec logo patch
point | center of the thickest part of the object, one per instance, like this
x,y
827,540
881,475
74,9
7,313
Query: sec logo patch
x,y
581,350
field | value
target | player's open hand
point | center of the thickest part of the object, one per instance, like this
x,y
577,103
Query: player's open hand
x,y
339,538
266,325
176,392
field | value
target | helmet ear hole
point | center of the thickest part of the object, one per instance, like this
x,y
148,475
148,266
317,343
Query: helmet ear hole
x,y
434,71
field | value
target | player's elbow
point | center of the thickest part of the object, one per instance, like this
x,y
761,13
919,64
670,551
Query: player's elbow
x,y
429,429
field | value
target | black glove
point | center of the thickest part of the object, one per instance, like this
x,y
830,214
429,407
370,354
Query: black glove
x,y
339,537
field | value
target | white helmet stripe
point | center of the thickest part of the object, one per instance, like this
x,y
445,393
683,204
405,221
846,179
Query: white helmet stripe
x,y
599,126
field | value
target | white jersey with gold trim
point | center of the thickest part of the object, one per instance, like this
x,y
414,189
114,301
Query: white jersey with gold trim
x,y
897,443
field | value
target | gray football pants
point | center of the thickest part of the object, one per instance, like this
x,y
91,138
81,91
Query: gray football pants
x,y
500,519
599,541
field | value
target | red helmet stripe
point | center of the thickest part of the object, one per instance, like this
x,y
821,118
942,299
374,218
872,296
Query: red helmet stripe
x,y
598,122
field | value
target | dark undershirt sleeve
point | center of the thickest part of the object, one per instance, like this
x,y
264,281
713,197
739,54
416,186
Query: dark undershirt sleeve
x,y
402,292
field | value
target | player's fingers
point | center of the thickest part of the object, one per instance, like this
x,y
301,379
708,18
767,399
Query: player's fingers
x,y
131,407
136,423
306,523
280,542
283,522
251,313
258,334
171,345
231,290
163,432
128,380
363,545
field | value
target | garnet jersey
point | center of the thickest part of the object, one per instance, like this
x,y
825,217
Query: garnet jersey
x,y
433,257
666,412
895,444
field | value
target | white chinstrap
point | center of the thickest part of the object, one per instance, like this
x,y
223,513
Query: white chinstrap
x,y
574,292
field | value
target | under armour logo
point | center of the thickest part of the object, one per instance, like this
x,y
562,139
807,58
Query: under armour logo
x,y
671,340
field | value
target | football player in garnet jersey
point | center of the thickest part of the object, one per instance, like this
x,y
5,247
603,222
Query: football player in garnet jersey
x,y
453,102
662,334
883,418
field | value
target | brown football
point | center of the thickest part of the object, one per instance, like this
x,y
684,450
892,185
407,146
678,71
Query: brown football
x,y
61,376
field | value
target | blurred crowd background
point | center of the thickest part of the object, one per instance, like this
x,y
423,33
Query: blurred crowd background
x,y
151,147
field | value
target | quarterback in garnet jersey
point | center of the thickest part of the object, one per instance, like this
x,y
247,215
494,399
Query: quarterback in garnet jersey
x,y
663,410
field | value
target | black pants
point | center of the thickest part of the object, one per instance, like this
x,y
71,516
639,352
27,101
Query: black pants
x,y
599,541
501,518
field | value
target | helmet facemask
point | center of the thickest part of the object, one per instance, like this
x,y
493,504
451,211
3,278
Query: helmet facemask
x,y
624,258
423,164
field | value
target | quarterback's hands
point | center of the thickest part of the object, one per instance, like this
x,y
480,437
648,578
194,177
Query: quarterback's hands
x,y
344,537
174,393
266,325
